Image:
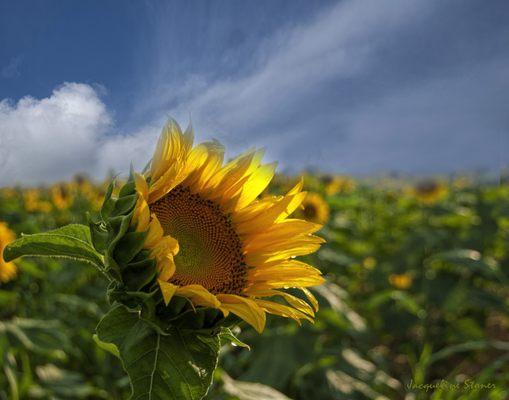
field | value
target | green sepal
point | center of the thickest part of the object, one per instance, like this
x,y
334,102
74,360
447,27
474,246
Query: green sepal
x,y
142,255
139,274
120,226
128,189
176,307
143,302
128,246
113,268
199,318
108,202
98,232
124,205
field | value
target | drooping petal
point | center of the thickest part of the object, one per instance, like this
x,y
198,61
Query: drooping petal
x,y
141,215
287,274
311,297
141,185
293,301
244,308
167,289
283,310
198,295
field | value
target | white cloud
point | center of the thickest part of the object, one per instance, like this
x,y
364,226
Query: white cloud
x,y
118,152
51,138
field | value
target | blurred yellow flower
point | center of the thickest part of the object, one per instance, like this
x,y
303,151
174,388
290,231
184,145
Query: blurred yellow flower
x,y
7,193
462,182
339,184
429,191
214,241
62,195
315,209
7,269
33,202
369,262
400,281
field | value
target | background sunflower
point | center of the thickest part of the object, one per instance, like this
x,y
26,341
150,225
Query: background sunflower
x,y
7,269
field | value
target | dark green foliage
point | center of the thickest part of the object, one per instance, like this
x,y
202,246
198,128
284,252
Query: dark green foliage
x,y
370,339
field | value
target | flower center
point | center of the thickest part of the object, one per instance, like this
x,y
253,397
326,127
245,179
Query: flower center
x,y
310,211
210,250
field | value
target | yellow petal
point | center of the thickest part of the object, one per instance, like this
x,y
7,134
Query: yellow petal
x,y
283,310
168,147
163,252
285,229
155,233
167,289
233,176
256,184
244,308
293,301
311,298
166,267
141,215
274,254
202,180
291,273
273,210
198,296
141,185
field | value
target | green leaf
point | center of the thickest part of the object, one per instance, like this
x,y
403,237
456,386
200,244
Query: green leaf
x,y
46,337
58,383
249,390
468,347
227,336
71,241
470,260
109,347
178,365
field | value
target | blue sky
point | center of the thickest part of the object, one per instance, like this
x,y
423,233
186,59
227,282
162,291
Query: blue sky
x,y
355,86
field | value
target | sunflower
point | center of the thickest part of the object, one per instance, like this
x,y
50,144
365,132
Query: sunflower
x,y
8,193
314,209
400,281
338,184
429,191
33,202
369,262
7,269
214,242
62,195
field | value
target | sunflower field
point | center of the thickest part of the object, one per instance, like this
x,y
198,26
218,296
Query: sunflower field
x,y
415,303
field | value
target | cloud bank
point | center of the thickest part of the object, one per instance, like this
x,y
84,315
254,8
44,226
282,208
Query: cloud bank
x,y
51,138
